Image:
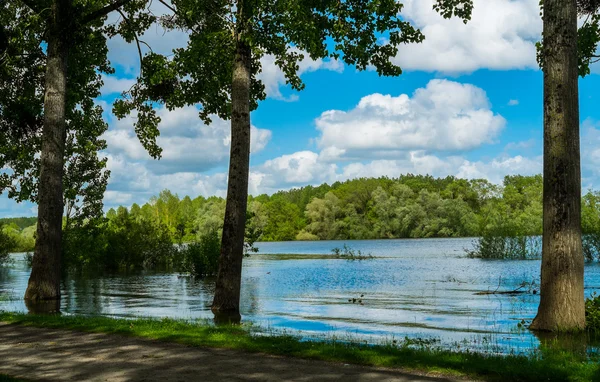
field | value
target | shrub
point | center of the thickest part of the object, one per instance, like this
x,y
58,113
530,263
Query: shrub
x,y
591,246
592,313
506,248
306,236
350,254
201,258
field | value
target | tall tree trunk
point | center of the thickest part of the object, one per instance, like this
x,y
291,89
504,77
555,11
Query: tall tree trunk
x,y
44,282
226,304
562,306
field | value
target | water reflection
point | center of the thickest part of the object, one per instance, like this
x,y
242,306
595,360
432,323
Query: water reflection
x,y
43,306
414,288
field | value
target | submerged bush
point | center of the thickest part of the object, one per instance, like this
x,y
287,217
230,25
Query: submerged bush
x,y
201,258
507,248
119,244
592,313
591,246
350,254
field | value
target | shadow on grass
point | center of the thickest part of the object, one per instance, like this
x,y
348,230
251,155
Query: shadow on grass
x,y
548,364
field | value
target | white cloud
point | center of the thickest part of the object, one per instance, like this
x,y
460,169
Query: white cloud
x,y
513,102
444,116
501,35
189,145
496,169
306,167
273,78
299,168
114,84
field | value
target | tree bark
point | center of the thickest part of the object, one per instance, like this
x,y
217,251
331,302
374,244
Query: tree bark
x,y
226,304
562,305
44,282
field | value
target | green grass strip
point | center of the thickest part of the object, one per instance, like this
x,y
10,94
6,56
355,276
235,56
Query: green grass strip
x,y
546,365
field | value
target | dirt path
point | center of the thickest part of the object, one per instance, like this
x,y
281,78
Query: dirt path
x,y
60,355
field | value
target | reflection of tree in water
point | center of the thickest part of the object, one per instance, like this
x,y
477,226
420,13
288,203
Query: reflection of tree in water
x,y
6,284
43,306
198,293
85,294
582,346
250,296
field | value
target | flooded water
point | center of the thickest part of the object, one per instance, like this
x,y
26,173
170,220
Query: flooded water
x,y
423,288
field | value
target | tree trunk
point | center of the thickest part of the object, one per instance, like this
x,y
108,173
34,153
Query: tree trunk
x,y
226,304
44,282
562,306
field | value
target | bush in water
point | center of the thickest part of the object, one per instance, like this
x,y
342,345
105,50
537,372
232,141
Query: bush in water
x,y
507,248
201,258
122,243
592,313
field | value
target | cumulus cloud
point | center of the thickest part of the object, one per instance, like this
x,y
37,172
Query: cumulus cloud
x,y
497,168
306,167
113,84
295,169
443,116
189,145
501,35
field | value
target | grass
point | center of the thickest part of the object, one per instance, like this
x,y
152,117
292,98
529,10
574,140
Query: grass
x,y
547,365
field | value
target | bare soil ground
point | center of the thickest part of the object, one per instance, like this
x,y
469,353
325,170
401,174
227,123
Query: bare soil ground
x,y
61,355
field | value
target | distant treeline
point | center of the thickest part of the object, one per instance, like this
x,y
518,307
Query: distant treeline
x,y
20,223
410,206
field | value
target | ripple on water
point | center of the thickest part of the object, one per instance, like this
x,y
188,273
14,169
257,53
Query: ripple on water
x,y
417,288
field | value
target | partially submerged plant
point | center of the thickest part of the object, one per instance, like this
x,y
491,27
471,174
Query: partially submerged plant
x,y
350,254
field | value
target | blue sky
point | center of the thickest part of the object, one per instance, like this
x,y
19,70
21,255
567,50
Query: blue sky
x,y
469,104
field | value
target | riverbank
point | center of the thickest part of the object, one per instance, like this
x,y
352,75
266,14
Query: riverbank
x,y
548,365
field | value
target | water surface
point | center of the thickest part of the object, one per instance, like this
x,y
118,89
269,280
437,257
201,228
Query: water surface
x,y
420,288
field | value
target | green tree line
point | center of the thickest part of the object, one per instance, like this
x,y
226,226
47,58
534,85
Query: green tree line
x,y
410,206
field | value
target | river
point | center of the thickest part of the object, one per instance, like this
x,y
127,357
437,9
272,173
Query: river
x,y
418,288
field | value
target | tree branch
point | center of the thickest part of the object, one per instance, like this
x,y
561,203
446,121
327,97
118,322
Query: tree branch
x,y
137,41
104,11
168,6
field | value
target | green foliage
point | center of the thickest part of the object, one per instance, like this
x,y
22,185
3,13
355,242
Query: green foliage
x,y
118,243
350,254
359,33
592,313
588,36
201,258
590,225
22,84
23,239
7,245
492,247
21,223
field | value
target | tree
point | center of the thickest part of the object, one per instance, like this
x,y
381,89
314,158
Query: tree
x,y
7,244
67,74
562,305
219,68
